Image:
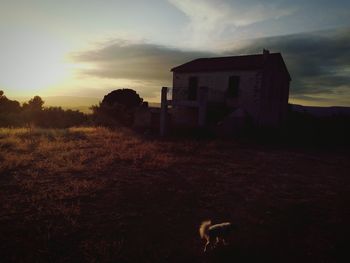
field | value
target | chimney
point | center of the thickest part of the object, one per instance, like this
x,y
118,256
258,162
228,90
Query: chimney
x,y
266,53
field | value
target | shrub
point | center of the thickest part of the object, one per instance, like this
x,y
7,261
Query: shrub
x,y
117,108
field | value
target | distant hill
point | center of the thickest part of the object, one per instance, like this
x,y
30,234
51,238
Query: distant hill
x,y
321,111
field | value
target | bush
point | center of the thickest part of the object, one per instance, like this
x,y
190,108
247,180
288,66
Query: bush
x,y
117,108
56,117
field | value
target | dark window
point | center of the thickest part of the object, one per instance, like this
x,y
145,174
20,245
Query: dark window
x,y
233,87
192,88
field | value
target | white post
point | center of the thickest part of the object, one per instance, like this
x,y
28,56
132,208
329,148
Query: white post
x,y
163,111
202,107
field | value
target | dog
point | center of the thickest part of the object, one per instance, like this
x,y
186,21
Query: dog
x,y
213,234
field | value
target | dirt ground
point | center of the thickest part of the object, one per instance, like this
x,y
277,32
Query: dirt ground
x,y
94,195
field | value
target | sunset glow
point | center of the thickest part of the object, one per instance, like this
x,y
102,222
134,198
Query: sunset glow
x,y
65,48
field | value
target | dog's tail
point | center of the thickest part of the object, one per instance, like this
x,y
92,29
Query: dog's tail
x,y
203,229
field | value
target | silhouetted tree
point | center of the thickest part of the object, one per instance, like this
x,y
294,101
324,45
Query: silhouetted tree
x,y
117,108
32,110
126,97
8,106
9,111
34,104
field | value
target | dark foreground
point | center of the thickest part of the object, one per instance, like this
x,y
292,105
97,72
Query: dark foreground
x,y
92,195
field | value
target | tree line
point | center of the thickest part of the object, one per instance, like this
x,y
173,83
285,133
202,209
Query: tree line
x,y
116,109
33,113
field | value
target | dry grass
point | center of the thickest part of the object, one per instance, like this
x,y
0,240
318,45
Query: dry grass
x,y
95,195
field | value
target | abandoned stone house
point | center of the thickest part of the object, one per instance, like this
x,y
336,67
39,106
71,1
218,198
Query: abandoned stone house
x,y
226,92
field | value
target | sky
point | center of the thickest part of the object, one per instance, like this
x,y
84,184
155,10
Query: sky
x,y
87,48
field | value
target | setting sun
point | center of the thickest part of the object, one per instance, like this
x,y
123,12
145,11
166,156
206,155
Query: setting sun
x,y
33,63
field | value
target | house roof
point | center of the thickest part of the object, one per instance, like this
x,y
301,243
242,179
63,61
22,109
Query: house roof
x,y
246,62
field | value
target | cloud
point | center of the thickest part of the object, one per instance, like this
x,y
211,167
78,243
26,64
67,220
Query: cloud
x,y
142,66
140,61
319,63
210,21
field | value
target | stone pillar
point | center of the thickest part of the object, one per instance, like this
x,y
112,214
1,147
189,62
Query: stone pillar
x,y
202,106
163,111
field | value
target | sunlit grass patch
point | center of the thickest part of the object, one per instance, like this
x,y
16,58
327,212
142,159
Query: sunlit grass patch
x,y
83,129
82,148
5,132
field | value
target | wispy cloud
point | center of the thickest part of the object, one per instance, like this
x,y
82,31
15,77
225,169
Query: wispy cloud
x,y
211,21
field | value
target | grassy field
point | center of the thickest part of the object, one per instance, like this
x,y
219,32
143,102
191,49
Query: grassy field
x,y
95,195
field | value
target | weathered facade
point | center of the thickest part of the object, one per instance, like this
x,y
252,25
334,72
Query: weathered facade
x,y
257,85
